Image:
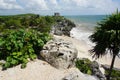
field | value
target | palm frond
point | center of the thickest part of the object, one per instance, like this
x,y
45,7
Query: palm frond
x,y
105,36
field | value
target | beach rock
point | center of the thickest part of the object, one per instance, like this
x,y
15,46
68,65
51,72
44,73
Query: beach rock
x,y
59,53
96,71
75,74
62,27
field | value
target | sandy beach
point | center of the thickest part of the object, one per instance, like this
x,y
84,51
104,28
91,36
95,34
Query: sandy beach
x,y
83,52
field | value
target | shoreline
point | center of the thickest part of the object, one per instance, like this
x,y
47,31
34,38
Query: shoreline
x,y
83,51
80,34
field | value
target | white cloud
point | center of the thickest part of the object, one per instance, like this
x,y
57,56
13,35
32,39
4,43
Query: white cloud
x,y
9,4
53,5
81,6
97,6
34,4
53,2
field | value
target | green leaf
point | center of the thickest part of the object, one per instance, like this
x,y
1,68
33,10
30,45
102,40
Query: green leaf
x,y
33,56
40,42
14,62
24,60
89,72
26,56
20,45
8,48
6,65
14,54
23,65
1,42
31,50
19,53
9,59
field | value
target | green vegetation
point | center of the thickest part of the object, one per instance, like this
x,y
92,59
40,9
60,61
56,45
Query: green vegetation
x,y
22,37
84,65
115,74
20,46
36,22
107,38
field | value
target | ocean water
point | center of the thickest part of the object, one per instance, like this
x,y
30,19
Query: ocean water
x,y
86,20
85,25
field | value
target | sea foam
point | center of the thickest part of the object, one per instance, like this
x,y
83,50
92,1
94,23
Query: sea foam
x,y
82,33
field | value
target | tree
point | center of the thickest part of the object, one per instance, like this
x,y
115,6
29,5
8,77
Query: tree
x,y
107,38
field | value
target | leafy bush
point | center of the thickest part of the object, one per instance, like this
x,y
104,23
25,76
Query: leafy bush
x,y
84,66
114,74
20,46
36,22
13,24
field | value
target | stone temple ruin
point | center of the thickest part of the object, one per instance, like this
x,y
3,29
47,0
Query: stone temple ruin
x,y
56,14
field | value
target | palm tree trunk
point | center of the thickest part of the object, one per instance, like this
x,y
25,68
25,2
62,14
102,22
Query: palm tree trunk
x,y
111,67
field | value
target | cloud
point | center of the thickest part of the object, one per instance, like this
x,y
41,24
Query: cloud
x,y
90,6
9,4
64,6
101,4
53,2
36,4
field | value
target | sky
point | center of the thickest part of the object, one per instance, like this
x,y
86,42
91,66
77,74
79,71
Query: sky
x,y
64,7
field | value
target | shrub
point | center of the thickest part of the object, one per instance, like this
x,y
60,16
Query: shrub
x,y
114,74
84,66
40,23
20,46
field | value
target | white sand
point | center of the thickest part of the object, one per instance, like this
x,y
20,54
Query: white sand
x,y
39,70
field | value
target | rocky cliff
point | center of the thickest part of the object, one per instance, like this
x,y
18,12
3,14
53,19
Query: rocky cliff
x,y
63,26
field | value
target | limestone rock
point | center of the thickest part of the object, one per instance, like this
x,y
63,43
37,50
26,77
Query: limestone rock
x,y
75,74
62,27
96,71
72,76
59,53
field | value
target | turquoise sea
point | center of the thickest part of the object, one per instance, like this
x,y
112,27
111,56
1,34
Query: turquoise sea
x,y
86,18
85,25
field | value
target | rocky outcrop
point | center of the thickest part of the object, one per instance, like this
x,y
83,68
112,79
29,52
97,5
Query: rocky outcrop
x,y
59,53
90,67
96,71
63,26
75,74
72,76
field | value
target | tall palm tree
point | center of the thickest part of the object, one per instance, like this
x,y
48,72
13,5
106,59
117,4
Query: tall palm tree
x,y
107,38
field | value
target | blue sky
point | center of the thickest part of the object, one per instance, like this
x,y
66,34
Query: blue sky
x,y
65,7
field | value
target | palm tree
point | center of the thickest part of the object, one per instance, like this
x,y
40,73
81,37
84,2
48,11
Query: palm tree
x,y
107,38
